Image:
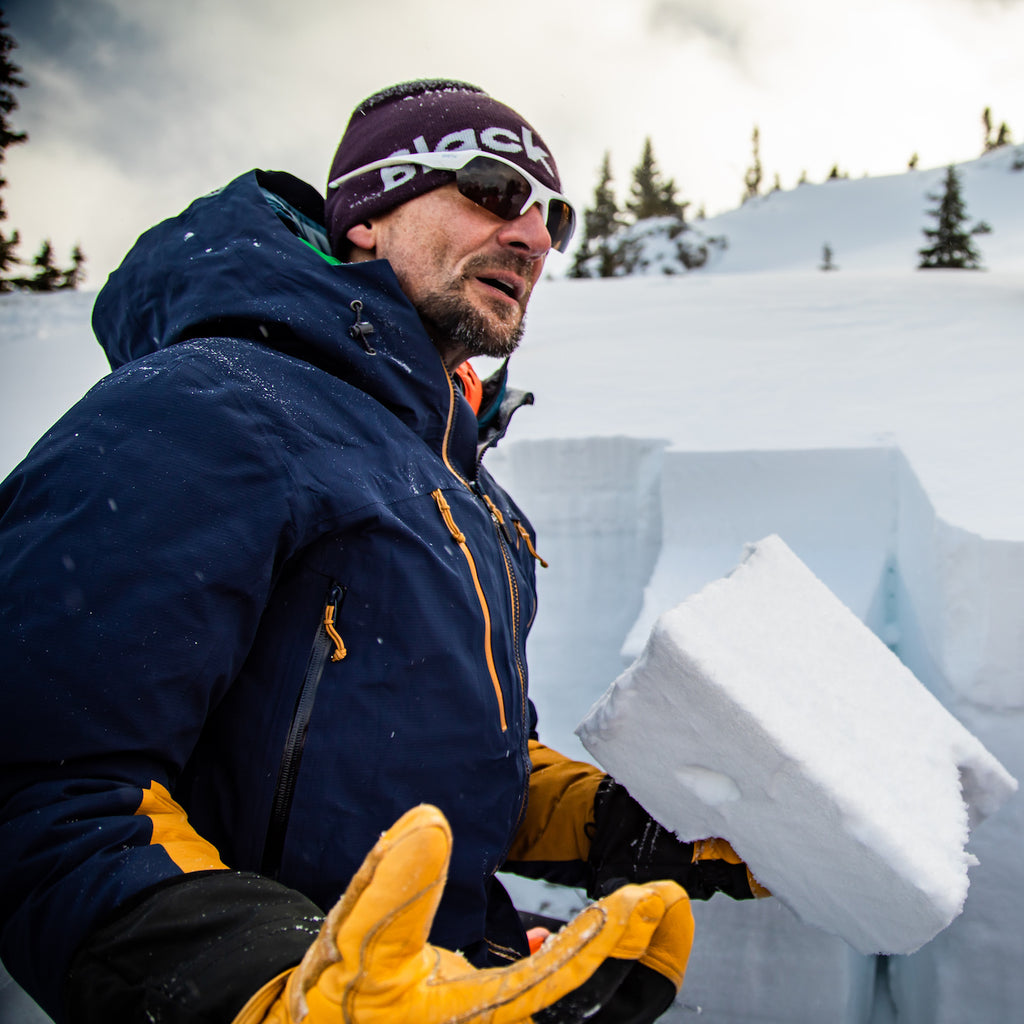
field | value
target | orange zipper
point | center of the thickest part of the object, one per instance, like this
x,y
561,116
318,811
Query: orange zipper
x,y
460,539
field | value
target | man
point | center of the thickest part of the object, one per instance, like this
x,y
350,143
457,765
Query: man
x,y
261,601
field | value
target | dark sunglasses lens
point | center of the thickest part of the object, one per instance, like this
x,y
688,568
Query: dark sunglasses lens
x,y
503,191
561,224
495,186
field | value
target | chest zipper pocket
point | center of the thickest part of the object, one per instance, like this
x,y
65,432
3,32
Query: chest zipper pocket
x,y
327,646
460,539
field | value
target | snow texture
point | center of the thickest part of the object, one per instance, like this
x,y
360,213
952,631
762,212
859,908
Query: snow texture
x,y
763,711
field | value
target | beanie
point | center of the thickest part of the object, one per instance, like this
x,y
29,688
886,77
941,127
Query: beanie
x,y
428,115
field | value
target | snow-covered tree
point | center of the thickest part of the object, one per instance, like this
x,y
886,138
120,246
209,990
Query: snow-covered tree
x,y
952,244
597,256
650,236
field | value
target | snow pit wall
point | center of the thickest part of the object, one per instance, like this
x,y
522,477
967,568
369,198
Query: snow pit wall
x,y
632,527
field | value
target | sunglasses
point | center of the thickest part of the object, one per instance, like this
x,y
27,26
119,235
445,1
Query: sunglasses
x,y
498,185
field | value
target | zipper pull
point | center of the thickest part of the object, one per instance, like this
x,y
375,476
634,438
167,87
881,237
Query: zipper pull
x,y
499,519
446,514
329,613
522,531
361,329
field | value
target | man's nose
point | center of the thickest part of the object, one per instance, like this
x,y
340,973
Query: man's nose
x,y
527,232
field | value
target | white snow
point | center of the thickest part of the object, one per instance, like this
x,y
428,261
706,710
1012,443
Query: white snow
x,y
871,417
763,711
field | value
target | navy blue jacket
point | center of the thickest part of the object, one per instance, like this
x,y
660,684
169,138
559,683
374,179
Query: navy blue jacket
x,y
257,574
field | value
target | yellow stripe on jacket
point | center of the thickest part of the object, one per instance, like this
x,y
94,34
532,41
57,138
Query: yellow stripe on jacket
x,y
172,831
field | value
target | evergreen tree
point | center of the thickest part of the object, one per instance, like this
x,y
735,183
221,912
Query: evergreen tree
x,y
48,277
951,242
753,174
72,277
651,195
9,81
1000,138
600,223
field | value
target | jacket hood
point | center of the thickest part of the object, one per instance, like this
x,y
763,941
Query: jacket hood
x,y
237,263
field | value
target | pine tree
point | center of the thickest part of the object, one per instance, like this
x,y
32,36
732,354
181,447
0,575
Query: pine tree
x,y
1001,138
600,223
9,81
752,176
952,246
48,276
651,195
72,277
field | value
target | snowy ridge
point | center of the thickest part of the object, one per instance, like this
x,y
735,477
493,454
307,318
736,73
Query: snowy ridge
x,y
872,223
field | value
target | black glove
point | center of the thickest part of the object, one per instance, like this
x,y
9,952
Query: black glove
x,y
626,991
628,845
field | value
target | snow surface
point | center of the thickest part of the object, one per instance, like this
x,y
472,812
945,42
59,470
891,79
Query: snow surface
x,y
763,711
869,416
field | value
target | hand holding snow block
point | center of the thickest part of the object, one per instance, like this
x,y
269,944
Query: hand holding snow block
x,y
763,711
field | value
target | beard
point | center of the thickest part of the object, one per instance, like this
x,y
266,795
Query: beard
x,y
456,324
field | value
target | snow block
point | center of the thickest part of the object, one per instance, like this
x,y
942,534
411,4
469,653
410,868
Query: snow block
x,y
763,711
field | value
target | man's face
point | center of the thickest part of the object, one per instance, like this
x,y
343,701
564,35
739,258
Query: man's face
x,y
468,272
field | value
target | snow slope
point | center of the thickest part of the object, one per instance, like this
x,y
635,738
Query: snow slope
x,y
870,417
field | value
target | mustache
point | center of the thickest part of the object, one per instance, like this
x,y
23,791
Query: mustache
x,y
521,266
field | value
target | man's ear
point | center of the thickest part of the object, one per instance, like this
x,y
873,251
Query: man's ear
x,y
364,240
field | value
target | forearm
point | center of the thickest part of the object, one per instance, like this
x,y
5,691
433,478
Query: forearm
x,y
193,949
553,841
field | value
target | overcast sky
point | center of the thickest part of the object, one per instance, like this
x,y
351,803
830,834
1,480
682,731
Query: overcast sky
x,y
134,107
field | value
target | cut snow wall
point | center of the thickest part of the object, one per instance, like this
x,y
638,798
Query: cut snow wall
x,y
619,518
961,598
596,505
835,510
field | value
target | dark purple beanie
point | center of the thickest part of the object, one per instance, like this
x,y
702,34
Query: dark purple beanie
x,y
425,116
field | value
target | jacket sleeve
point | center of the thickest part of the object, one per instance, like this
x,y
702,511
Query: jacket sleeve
x,y
583,829
130,590
553,841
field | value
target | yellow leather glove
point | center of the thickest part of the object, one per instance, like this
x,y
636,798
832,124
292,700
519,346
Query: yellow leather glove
x,y
372,963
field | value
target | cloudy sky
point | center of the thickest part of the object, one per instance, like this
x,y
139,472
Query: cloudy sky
x,y
134,107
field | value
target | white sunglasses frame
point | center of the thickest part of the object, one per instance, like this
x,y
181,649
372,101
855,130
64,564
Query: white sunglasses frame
x,y
456,159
